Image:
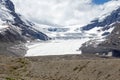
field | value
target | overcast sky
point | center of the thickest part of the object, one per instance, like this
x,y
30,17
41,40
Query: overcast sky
x,y
64,12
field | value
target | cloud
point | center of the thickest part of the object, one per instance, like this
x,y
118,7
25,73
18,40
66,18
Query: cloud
x,y
63,12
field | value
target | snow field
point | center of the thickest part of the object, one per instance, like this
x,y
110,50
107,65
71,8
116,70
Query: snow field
x,y
55,47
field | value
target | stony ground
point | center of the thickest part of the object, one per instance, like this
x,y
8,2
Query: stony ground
x,y
71,67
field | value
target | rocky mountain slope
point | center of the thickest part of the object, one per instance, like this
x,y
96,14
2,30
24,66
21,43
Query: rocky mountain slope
x,y
15,29
113,41
108,44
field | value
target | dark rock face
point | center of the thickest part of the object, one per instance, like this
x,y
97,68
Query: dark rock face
x,y
8,4
116,53
113,41
92,47
113,17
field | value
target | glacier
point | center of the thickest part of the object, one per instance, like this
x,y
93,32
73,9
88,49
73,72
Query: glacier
x,y
55,47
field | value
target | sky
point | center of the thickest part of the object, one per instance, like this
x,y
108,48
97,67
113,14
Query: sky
x,y
65,12
100,1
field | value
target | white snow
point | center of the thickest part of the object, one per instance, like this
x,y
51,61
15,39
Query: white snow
x,y
55,47
3,26
60,32
95,32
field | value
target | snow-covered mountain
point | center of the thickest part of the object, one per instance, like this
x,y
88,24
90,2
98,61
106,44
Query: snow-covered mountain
x,y
109,26
98,28
15,29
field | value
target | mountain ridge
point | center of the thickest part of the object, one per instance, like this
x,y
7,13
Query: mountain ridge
x,y
110,43
14,29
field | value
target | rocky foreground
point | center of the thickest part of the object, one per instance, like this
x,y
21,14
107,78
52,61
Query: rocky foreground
x,y
69,67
